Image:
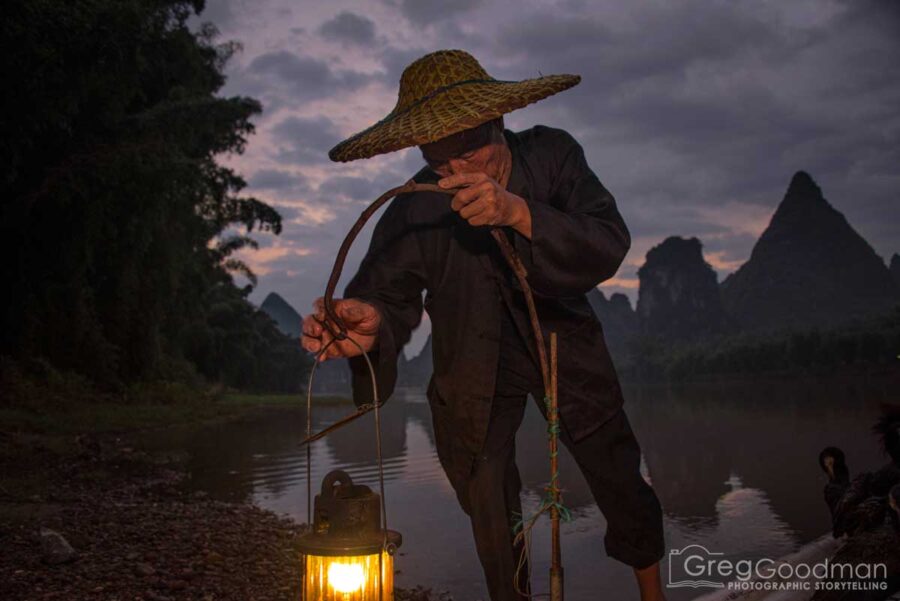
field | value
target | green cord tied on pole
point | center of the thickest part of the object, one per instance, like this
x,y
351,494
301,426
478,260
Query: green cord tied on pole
x,y
553,430
565,514
549,500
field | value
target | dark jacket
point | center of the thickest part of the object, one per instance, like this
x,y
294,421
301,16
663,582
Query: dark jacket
x,y
578,240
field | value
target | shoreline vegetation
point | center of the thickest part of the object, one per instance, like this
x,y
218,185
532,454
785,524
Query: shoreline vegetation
x,y
864,347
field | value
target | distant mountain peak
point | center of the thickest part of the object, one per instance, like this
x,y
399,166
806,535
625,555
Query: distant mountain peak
x,y
679,292
620,301
808,268
675,249
803,203
287,318
618,318
804,186
273,299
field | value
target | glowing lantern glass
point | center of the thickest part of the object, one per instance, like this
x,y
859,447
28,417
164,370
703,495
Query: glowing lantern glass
x,y
347,555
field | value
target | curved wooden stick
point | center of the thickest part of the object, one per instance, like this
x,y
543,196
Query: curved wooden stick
x,y
409,186
507,249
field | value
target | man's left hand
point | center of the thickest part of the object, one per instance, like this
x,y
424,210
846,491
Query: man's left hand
x,y
483,201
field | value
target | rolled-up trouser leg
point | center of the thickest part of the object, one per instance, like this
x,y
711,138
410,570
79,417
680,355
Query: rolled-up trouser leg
x,y
491,498
610,459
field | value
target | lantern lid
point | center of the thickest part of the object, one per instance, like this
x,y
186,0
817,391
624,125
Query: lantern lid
x,y
347,520
332,546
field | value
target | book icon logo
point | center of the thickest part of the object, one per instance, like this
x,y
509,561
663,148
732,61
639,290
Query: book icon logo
x,y
691,567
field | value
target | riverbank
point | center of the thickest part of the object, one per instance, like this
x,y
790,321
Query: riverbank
x,y
130,527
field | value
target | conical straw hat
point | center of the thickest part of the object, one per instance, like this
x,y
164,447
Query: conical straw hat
x,y
441,94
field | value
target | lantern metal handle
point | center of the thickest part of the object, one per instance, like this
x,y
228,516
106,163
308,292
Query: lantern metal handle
x,y
336,477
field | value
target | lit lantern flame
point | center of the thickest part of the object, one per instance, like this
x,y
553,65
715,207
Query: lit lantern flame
x,y
347,556
346,577
349,578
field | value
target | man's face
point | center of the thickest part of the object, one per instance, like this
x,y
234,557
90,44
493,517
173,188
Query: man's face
x,y
476,150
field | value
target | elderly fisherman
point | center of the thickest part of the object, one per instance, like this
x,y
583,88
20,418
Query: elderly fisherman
x,y
538,188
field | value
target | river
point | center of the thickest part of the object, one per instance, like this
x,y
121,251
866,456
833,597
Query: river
x,y
734,465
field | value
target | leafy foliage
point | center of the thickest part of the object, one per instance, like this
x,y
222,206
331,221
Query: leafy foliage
x,y
115,209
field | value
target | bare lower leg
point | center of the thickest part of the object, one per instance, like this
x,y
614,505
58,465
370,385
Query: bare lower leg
x,y
649,583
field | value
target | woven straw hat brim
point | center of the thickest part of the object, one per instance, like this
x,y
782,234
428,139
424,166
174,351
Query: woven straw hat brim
x,y
448,111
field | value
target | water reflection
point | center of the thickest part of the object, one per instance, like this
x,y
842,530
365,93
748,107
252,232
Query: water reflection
x,y
734,466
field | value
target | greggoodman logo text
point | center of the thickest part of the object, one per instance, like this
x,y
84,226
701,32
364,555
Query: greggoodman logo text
x,y
695,566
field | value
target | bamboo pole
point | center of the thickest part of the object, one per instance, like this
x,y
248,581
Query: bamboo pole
x,y
556,569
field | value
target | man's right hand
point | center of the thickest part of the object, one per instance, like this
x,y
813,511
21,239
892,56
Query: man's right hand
x,y
361,319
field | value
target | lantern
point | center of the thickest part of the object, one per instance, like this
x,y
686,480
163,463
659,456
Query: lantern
x,y
347,555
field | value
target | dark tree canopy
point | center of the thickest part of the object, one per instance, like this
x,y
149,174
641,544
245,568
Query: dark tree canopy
x,y
119,226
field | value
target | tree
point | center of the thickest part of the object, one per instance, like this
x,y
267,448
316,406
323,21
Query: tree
x,y
115,207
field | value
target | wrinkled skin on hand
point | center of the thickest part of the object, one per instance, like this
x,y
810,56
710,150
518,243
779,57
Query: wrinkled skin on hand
x,y
483,201
361,319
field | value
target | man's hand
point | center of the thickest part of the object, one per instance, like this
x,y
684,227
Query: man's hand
x,y
483,201
361,319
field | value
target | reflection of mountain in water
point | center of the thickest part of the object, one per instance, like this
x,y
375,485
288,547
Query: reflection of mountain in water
x,y
686,448
354,443
741,514
734,466
534,464
695,441
766,433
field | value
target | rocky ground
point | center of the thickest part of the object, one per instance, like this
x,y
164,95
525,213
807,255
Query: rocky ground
x,y
107,521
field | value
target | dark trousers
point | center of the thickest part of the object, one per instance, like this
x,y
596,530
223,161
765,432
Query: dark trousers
x,y
609,458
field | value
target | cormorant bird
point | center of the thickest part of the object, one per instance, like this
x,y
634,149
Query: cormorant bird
x,y
877,545
861,503
888,430
859,508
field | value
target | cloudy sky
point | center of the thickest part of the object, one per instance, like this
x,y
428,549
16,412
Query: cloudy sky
x,y
694,114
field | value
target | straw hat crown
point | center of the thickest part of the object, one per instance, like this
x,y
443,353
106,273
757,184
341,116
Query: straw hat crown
x,y
435,71
441,94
